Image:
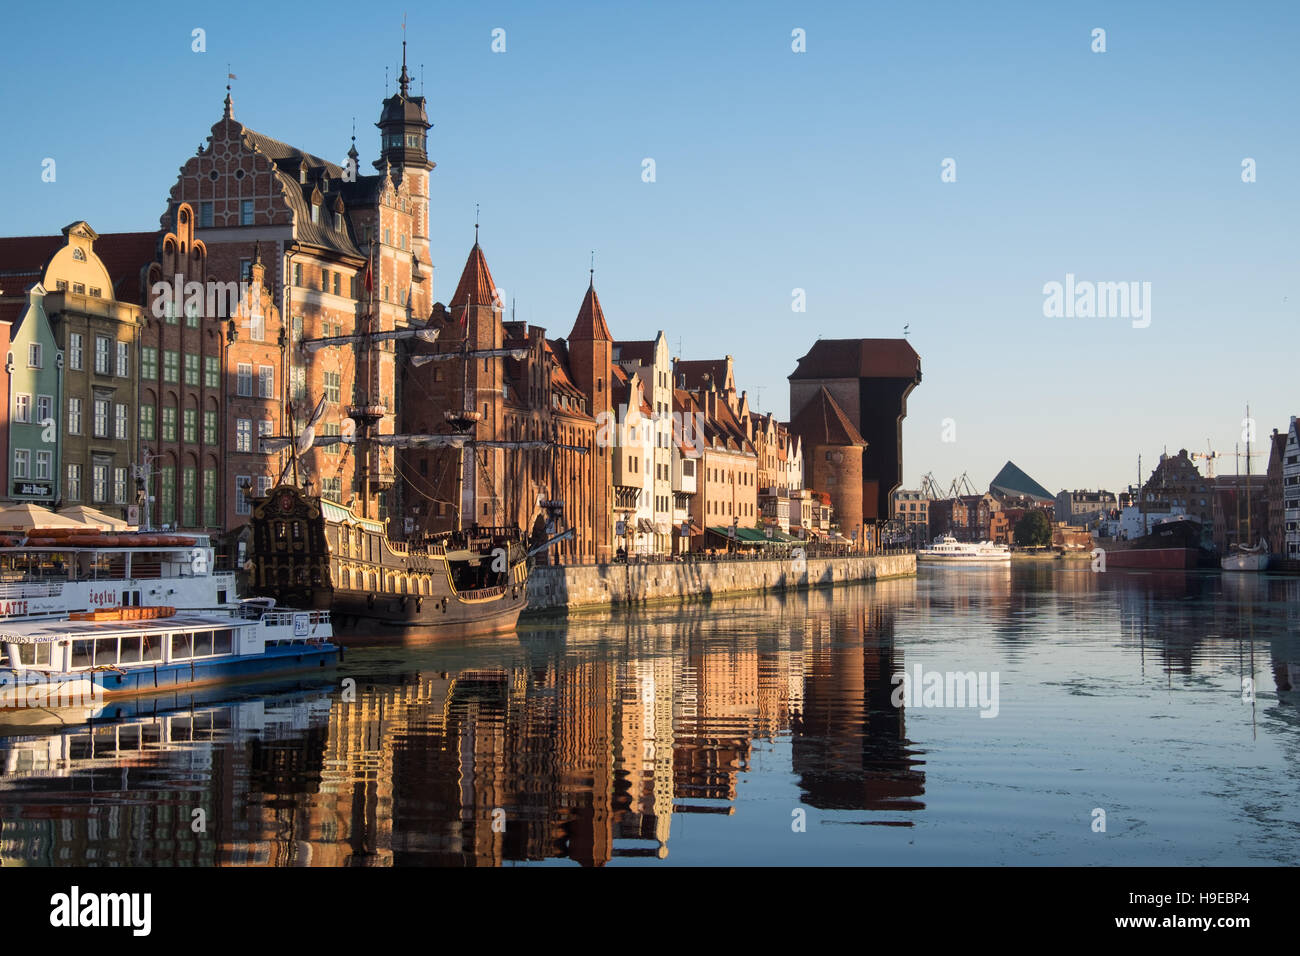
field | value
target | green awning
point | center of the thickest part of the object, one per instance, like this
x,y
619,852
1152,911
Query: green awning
x,y
752,535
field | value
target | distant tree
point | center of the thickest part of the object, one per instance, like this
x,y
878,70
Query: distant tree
x,y
1033,529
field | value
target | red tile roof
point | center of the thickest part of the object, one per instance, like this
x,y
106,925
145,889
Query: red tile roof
x,y
475,280
859,358
705,373
590,325
823,422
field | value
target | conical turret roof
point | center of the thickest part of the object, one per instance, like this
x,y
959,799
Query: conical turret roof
x,y
590,325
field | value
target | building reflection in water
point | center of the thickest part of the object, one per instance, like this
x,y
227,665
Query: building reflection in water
x,y
582,742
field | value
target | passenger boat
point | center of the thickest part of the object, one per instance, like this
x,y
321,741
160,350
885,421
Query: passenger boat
x,y
54,671
55,572
946,549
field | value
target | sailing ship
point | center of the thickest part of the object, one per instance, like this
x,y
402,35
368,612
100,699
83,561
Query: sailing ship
x,y
310,552
1245,557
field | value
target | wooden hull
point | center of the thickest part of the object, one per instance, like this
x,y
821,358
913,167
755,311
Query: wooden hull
x,y
358,614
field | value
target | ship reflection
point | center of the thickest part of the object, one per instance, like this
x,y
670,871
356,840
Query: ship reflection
x,y
584,741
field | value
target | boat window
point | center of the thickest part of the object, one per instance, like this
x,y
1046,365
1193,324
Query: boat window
x,y
223,642
181,646
105,651
81,653
34,655
203,644
153,647
131,650
297,530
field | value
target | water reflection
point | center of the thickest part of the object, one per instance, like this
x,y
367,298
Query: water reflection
x,y
615,737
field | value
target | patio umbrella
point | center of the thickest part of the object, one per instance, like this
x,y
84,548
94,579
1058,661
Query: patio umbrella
x,y
90,516
26,516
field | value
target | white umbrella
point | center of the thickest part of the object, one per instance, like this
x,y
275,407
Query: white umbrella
x,y
94,518
26,516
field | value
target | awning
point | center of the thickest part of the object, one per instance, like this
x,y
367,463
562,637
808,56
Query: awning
x,y
645,525
743,535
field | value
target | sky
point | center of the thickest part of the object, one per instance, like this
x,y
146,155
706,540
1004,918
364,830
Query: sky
x,y
776,171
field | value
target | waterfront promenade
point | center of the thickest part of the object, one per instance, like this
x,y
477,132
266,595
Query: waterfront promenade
x,y
569,587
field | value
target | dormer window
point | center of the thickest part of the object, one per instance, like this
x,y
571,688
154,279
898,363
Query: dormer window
x,y
79,254
315,213
338,221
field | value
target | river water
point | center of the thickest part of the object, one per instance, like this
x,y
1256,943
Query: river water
x,y
1050,716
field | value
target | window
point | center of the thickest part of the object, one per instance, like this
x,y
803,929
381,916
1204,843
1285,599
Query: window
x,y
191,370
244,380
169,313
205,215
169,424
22,459
191,314
44,408
246,212
119,486
209,428
297,280
386,238
44,464
148,362
263,488
315,212
79,288
298,376
100,425
171,366
257,325
332,386
264,430
74,483
337,279
189,496
266,381
101,354
209,496
123,359
34,355
352,287
98,482
244,434
242,506
324,280
75,359
168,513
190,426
121,430
211,372
146,422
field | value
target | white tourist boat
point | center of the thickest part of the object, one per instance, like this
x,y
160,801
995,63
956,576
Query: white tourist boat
x,y
59,671
946,549
58,572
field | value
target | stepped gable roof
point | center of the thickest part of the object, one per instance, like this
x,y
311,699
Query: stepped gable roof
x,y
859,358
823,422
475,280
1012,482
590,325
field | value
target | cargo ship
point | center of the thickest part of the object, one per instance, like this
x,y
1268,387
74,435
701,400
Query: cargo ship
x,y
1172,544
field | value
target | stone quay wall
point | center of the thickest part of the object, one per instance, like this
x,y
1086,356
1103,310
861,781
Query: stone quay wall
x,y
554,588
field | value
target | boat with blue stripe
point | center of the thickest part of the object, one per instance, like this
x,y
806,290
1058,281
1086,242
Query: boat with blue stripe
x,y
59,671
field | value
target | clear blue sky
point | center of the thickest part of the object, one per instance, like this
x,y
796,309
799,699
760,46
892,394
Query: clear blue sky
x,y
778,170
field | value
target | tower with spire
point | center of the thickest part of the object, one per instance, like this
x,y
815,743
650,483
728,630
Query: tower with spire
x,y
591,348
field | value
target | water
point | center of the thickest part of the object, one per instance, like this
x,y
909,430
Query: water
x,y
755,730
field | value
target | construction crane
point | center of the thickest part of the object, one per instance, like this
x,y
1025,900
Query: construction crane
x,y
929,488
960,486
1208,457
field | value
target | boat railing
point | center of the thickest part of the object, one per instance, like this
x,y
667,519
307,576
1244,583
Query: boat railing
x,y
481,593
30,589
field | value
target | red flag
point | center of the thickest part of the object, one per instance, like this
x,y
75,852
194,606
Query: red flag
x,y
369,281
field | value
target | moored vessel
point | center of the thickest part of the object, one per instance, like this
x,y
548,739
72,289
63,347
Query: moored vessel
x,y
945,549
59,670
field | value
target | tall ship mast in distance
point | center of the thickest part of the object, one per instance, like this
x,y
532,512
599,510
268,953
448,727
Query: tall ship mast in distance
x,y
310,552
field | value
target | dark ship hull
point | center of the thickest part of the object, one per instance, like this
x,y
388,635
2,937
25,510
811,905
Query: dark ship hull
x,y
311,553
1170,546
